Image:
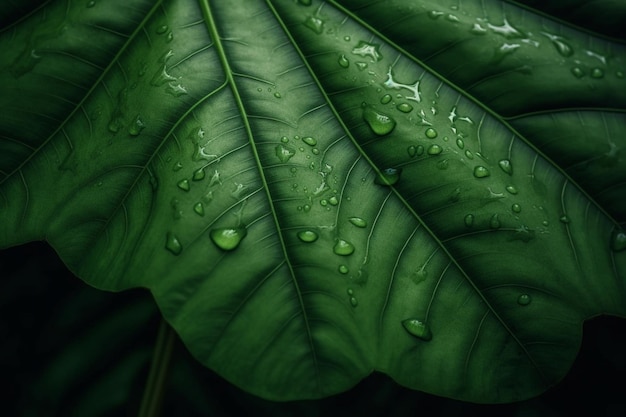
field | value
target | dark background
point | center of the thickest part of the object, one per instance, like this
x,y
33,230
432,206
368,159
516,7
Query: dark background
x,y
70,350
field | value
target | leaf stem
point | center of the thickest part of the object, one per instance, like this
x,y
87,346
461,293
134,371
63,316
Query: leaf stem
x,y
157,376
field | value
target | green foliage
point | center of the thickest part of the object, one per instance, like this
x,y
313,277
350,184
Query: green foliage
x,y
313,191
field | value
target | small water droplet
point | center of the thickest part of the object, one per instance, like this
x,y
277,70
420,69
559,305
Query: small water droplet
x,y
511,189
524,300
469,154
578,72
228,238
516,208
198,174
460,143
309,141
343,248
559,43
136,126
404,107
506,166
619,74
315,24
365,49
494,222
277,95
350,291
431,133
343,269
161,29
358,222
343,61
199,209
307,236
618,240
418,329
380,123
434,14
361,66
385,99
477,29
564,219
354,302
170,37
481,172
434,150
284,152
90,4
388,176
597,73
173,244
469,220
183,185
412,151
177,167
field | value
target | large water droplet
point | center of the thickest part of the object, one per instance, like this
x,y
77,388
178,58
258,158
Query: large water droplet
x,y
431,133
184,185
618,240
380,123
284,152
198,174
385,99
481,172
578,72
343,61
404,107
307,236
173,244
228,238
343,248
524,300
434,150
315,24
511,189
358,222
388,176
198,208
418,329
370,50
309,141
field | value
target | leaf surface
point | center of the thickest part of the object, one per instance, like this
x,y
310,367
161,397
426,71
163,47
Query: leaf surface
x,y
315,191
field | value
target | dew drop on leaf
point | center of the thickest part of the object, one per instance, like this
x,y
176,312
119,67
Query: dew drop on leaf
x,y
307,236
183,185
309,141
343,269
418,329
358,222
388,176
343,248
564,219
404,107
315,24
494,222
618,240
228,238
434,150
524,300
506,166
198,174
597,73
481,172
90,4
469,220
516,208
412,151
354,302
385,99
578,72
380,123
365,49
333,201
431,133
460,143
177,166
511,189
469,154
284,153
161,29
173,244
343,61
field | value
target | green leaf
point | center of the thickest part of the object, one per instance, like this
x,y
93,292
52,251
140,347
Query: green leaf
x,y
316,190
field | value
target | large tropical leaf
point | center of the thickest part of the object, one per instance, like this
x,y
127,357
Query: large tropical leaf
x,y
315,190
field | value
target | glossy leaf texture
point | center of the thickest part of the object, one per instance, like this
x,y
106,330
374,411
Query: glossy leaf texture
x,y
316,190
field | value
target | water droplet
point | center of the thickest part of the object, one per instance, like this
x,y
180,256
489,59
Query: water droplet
x,y
173,244
362,66
380,123
365,49
481,172
434,14
343,61
619,74
417,328
443,164
343,248
385,99
90,4
434,150
183,185
388,176
618,240
350,291
494,222
358,222
177,166
199,209
559,43
161,29
564,219
431,133
578,72
309,141
460,143
597,73
228,238
170,37
412,151
307,236
315,24
419,150
469,154
516,208
524,300
343,269
469,220
511,189
284,153
404,107
198,174
506,166
354,302
420,275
